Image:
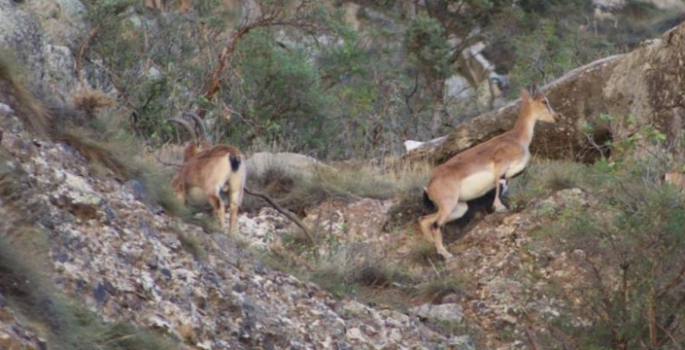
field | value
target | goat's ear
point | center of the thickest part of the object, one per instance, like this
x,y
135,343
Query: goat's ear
x,y
524,94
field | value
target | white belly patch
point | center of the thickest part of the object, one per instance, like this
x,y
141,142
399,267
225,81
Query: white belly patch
x,y
476,185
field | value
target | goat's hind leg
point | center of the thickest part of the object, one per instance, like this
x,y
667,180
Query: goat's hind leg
x,y
425,223
457,211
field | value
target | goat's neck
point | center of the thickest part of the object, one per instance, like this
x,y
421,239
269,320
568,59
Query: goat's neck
x,y
525,124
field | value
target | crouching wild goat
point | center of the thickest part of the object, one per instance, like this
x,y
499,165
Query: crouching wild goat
x,y
212,169
482,168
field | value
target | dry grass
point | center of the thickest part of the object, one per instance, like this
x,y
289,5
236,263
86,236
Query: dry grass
x,y
26,284
105,141
108,154
13,88
90,101
344,182
94,130
424,253
342,273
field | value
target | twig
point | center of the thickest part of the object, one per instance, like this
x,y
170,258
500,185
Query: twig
x,y
287,213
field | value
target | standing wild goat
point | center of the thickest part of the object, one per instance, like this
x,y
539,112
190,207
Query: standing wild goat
x,y
477,170
211,169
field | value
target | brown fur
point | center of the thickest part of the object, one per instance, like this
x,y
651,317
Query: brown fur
x,y
474,172
210,168
192,149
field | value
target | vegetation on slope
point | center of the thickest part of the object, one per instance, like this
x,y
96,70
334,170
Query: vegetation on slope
x,y
308,82
357,99
25,281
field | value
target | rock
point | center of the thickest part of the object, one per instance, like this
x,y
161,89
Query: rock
x,y
619,86
63,20
59,66
5,110
442,312
40,35
291,164
135,189
361,219
21,33
463,342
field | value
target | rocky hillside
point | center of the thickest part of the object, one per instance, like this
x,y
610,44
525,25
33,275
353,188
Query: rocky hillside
x,y
95,254
127,261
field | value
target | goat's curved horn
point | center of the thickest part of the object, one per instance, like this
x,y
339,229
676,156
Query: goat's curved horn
x,y
186,125
200,122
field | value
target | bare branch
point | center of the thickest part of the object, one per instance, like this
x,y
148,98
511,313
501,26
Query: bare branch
x,y
283,211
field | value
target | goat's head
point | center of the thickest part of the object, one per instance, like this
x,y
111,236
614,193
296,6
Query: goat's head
x,y
538,105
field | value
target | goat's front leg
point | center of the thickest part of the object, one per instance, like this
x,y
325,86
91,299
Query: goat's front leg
x,y
219,209
500,179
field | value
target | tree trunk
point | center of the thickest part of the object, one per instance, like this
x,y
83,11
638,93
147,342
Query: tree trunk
x,y
436,120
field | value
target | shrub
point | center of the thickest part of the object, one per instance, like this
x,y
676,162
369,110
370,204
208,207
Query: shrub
x,y
627,252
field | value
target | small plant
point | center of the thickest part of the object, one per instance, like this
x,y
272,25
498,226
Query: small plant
x,y
424,253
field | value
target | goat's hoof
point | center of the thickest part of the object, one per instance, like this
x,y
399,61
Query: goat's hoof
x,y
446,255
501,209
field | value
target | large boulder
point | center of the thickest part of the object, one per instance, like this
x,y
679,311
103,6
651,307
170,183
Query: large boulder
x,y
644,87
42,36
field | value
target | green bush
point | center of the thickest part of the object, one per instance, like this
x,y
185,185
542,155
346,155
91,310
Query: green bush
x,y
426,43
280,96
627,244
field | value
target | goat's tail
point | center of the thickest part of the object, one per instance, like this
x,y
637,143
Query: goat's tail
x,y
235,162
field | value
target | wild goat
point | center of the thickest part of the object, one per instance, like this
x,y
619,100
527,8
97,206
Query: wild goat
x,y
212,169
475,171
